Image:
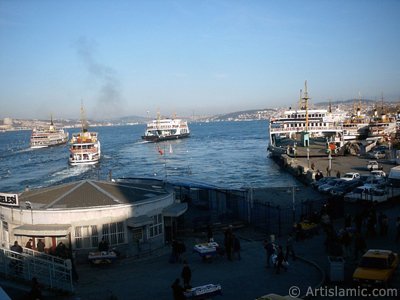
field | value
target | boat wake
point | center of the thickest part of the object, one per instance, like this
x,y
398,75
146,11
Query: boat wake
x,y
142,142
66,173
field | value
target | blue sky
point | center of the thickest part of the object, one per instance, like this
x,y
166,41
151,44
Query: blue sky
x,y
192,57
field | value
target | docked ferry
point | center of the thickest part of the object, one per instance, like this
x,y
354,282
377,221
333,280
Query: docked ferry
x,y
382,125
355,127
166,129
47,137
84,146
314,122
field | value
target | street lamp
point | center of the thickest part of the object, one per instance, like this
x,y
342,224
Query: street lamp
x,y
293,205
330,163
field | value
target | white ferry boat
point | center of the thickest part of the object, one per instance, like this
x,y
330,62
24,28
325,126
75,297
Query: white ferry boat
x,y
47,137
356,126
166,129
313,122
382,125
84,147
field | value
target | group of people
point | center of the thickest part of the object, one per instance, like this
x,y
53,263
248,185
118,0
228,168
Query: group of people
x,y
276,256
39,246
177,289
351,240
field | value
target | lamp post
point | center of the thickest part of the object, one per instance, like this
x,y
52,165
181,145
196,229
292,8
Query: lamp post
x,y
330,163
293,204
308,156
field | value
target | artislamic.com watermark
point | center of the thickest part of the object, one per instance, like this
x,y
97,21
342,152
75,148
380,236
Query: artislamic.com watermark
x,y
335,291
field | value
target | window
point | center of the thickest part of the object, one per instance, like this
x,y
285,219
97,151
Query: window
x,y
86,236
156,228
114,233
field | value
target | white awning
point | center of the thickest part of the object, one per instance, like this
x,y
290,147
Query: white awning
x,y
139,221
175,210
42,230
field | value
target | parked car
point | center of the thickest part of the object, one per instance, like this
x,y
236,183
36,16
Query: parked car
x,y
378,174
379,154
366,193
376,182
373,165
325,188
316,184
376,268
351,176
346,187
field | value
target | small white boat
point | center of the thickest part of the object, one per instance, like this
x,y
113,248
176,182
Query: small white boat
x,y
47,137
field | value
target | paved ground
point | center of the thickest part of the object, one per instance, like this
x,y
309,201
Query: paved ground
x,y
247,278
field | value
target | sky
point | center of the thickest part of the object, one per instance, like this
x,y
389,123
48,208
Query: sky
x,y
192,57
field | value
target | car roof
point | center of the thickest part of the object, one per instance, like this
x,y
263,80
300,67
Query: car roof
x,y
377,253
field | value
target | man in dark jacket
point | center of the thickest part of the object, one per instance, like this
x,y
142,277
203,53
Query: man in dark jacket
x,y
186,275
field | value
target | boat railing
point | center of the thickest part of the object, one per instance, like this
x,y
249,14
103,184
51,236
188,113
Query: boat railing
x,y
83,151
310,128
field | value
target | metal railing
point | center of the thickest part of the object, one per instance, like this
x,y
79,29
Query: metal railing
x,y
52,272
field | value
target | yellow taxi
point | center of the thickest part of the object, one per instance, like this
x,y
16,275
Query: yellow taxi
x,y
376,267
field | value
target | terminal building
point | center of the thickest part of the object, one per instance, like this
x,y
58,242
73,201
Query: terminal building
x,y
132,215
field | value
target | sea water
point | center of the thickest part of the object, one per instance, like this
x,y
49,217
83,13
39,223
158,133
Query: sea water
x,y
225,154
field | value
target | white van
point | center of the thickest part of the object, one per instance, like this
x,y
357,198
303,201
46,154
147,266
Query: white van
x,y
394,176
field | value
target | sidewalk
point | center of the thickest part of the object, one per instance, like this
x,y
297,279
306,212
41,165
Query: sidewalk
x,y
151,278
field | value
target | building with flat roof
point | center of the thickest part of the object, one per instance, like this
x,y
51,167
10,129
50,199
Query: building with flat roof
x,y
132,216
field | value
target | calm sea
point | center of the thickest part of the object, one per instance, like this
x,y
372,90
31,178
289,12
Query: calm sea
x,y
226,154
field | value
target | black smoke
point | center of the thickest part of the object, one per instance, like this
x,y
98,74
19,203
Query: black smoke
x,y
103,77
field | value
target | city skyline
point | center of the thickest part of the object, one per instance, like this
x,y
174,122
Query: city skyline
x,y
192,57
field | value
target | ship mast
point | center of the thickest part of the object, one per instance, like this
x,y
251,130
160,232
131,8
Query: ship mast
x,y
305,102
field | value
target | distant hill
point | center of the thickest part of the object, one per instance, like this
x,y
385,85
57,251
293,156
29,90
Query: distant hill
x,y
132,119
349,101
252,114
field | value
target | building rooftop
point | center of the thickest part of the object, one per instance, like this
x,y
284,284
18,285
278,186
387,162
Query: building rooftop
x,y
89,193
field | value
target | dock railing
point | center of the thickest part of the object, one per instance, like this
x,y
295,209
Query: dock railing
x,y
52,272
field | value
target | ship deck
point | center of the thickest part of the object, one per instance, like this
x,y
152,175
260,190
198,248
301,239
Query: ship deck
x,y
317,148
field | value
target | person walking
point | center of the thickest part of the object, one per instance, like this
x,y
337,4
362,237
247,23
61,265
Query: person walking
x,y
398,229
236,246
280,260
269,248
35,292
177,290
17,263
289,247
228,242
40,246
186,275
29,244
